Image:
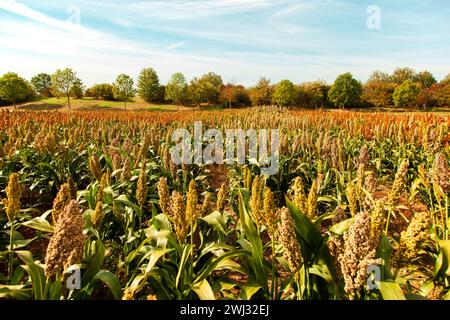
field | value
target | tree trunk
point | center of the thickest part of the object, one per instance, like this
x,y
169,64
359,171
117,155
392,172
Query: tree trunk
x,y
230,104
68,100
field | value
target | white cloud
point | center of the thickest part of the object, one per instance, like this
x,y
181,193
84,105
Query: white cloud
x,y
175,45
183,9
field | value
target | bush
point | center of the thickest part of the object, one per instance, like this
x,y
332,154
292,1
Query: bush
x,y
285,94
102,91
406,94
346,91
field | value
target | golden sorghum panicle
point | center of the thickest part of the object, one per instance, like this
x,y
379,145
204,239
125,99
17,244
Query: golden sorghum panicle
x,y
166,159
370,183
289,241
270,213
72,187
191,203
179,217
417,232
66,245
247,178
364,157
441,173
97,215
222,197
257,201
377,220
164,196
399,183
116,160
104,183
12,201
359,253
352,199
95,167
298,195
360,174
208,205
141,191
312,201
126,169
62,199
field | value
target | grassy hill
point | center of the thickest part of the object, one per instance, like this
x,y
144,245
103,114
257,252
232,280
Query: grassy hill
x,y
91,104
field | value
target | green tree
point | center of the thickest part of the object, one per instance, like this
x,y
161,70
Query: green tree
x,y
426,79
313,94
378,93
77,90
446,80
102,91
346,91
42,84
161,94
441,93
400,75
13,88
379,77
406,94
285,94
176,89
206,89
123,88
63,82
261,94
148,85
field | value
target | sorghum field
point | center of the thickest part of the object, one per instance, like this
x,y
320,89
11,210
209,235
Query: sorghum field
x,y
358,210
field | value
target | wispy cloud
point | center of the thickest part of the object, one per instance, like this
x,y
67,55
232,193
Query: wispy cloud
x,y
184,9
22,10
175,45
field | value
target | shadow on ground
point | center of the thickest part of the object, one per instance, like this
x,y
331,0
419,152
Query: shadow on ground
x,y
41,107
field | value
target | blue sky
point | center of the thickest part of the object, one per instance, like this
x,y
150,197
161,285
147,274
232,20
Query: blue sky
x,y
300,40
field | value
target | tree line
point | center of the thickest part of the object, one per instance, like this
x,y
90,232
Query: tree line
x,y
404,88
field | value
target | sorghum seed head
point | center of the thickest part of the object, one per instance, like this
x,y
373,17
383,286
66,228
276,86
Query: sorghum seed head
x,y
411,239
359,253
289,241
312,200
12,201
62,199
95,167
270,213
441,173
66,245
399,183
164,196
97,215
179,216
191,203
126,169
208,205
352,199
222,197
298,194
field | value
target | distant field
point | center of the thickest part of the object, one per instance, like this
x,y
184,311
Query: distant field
x,y
138,104
92,104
